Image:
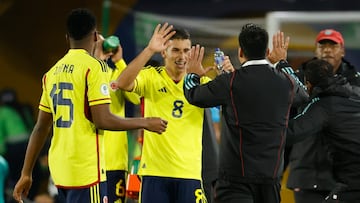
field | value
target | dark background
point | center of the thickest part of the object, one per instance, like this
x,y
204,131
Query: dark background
x,y
32,33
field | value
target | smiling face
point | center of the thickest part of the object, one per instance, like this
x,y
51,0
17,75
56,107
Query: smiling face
x,y
176,56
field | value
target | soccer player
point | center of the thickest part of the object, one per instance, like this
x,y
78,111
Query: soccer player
x,y
75,104
116,142
170,164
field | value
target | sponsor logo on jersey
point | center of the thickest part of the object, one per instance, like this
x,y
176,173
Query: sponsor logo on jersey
x,y
163,90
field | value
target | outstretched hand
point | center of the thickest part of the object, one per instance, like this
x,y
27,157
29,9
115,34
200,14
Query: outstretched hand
x,y
194,63
280,47
161,37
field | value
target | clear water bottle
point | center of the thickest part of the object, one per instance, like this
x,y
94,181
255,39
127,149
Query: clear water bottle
x,y
111,44
219,58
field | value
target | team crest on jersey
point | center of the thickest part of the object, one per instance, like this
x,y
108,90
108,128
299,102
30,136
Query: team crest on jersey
x,y
113,86
104,89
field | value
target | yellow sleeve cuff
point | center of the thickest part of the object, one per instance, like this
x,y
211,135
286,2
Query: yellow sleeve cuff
x,y
121,64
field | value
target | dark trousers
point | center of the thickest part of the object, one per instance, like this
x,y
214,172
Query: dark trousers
x,y
235,192
310,196
343,194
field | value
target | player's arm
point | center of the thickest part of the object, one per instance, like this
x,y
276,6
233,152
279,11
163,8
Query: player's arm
x,y
213,93
158,42
104,119
37,140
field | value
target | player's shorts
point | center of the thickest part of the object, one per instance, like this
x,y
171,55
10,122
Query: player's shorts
x,y
94,194
116,186
171,190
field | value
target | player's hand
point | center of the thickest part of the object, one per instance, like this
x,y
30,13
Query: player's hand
x,y
161,37
194,63
98,50
280,47
22,188
155,124
118,55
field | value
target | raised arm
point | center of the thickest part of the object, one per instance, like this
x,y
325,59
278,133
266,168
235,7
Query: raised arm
x,y
158,42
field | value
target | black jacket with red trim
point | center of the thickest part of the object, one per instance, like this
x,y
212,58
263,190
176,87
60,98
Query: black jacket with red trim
x,y
255,102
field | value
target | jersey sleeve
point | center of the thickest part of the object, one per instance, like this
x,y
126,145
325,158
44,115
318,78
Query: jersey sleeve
x,y
44,103
98,84
140,82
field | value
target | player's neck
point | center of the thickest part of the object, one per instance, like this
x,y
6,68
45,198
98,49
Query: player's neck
x,y
175,74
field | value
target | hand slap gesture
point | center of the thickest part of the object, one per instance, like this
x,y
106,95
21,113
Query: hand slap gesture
x,y
160,39
194,63
280,47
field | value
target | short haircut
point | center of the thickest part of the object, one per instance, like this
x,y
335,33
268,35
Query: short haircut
x,y
318,72
80,22
253,40
181,33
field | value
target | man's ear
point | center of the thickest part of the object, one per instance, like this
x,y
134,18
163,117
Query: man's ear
x,y
308,86
95,36
163,54
241,56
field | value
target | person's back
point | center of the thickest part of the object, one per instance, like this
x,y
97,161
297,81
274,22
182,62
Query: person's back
x,y
259,119
334,113
75,105
255,101
65,82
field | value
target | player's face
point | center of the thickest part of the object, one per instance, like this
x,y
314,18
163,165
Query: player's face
x,y
177,54
330,52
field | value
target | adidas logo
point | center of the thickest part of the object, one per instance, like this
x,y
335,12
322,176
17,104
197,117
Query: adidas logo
x,y
163,90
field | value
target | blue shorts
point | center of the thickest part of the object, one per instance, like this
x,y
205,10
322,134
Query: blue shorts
x,y
94,194
171,190
116,186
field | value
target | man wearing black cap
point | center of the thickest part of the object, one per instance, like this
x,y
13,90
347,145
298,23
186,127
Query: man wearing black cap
x,y
310,174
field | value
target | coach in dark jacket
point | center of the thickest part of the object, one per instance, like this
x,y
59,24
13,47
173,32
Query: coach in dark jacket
x,y
334,110
310,174
255,102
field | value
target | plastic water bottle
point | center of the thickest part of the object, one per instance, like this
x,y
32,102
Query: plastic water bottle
x,y
219,58
111,44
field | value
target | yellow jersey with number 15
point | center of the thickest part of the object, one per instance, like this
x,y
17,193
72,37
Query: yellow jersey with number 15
x,y
76,82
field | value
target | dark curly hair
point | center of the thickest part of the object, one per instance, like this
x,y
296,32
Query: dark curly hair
x,y
80,22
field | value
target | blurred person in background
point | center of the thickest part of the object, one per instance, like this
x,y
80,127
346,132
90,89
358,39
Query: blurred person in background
x,y
4,172
16,123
